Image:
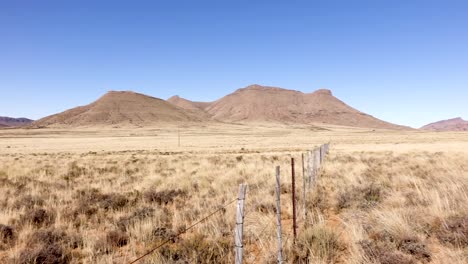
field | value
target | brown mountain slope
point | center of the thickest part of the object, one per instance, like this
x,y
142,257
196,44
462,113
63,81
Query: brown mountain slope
x,y
266,104
14,122
454,124
197,108
120,109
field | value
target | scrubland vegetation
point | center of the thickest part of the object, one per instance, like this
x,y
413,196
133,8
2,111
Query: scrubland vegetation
x,y
400,204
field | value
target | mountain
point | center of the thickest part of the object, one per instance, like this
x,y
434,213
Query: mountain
x,y
120,108
14,122
272,104
197,108
454,124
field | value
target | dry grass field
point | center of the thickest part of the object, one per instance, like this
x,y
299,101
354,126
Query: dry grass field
x,y
108,196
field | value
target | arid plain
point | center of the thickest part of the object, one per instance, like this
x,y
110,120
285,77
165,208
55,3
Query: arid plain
x,y
110,195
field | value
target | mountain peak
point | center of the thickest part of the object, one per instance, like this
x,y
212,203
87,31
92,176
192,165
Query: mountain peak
x,y
324,91
256,103
120,108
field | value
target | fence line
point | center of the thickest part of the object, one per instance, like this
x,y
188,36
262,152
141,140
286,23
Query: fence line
x,y
311,165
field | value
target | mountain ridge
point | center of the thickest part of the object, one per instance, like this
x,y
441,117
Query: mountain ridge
x,y
6,121
453,124
120,108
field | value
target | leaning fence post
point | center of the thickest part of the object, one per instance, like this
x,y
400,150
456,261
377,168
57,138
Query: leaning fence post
x,y
293,190
240,224
278,216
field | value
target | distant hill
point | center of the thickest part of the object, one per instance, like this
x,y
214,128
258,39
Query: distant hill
x,y
119,109
454,124
14,122
273,104
197,108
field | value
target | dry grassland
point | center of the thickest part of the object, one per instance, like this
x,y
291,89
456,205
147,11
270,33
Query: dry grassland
x,y
109,196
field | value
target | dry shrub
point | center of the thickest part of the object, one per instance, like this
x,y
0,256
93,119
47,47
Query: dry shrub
x,y
107,201
382,253
113,239
386,248
414,247
453,231
55,236
7,236
38,217
164,197
319,199
164,233
74,171
44,254
117,238
319,241
84,209
49,246
372,194
138,215
363,197
197,248
28,202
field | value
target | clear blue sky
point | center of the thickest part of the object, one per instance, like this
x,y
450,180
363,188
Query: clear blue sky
x,y
402,61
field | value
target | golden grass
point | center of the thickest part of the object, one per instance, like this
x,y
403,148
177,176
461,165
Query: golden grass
x,y
108,196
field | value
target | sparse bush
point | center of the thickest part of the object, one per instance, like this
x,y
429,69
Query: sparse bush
x,y
117,238
38,217
384,253
363,197
85,209
28,202
344,200
163,233
321,242
196,249
372,194
113,239
138,215
454,231
74,171
7,236
414,247
52,236
108,201
44,254
164,197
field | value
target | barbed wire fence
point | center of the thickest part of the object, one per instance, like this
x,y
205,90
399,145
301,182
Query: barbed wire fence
x,y
311,165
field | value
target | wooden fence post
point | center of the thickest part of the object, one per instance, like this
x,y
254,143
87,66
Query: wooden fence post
x,y
304,189
317,163
240,224
310,168
293,190
322,153
278,216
